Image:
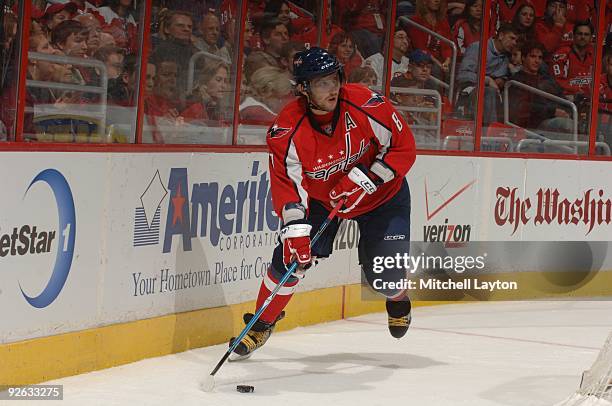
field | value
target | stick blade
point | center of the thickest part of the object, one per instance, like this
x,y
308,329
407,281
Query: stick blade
x,y
208,384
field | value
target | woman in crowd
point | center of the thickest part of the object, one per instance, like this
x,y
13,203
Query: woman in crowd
x,y
466,30
343,47
210,96
432,14
524,21
270,90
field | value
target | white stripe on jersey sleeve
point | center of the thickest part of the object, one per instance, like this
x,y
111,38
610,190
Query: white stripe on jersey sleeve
x,y
383,135
294,170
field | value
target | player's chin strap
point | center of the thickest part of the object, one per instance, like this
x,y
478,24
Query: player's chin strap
x,y
311,105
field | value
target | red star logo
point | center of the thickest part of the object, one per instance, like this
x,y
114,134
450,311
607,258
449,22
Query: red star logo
x,y
177,202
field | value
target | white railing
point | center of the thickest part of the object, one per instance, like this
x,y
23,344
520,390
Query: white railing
x,y
562,144
543,94
437,109
468,140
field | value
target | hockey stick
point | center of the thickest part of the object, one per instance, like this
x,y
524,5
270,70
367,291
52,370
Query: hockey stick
x,y
209,383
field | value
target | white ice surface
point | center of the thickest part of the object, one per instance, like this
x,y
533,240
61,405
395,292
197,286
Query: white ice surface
x,y
515,354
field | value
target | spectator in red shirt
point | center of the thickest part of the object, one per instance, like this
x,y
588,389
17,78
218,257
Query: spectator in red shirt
x,y
120,23
466,30
432,14
572,65
504,12
310,34
270,90
164,101
83,7
524,22
343,47
553,30
55,14
210,96
280,9
577,10
365,20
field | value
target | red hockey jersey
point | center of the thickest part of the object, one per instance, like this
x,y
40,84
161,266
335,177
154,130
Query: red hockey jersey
x,y
306,163
572,72
553,37
422,40
605,98
503,12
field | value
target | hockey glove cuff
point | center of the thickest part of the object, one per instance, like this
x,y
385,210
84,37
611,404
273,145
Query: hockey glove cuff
x,y
353,187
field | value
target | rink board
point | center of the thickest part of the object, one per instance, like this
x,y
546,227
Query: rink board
x,y
126,239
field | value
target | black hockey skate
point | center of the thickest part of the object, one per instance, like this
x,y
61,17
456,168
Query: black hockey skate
x,y
255,338
399,317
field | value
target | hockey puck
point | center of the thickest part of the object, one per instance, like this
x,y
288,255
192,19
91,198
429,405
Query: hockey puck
x,y
245,388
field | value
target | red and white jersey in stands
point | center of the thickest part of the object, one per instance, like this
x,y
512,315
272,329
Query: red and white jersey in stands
x,y
553,37
306,162
577,10
503,12
605,97
571,71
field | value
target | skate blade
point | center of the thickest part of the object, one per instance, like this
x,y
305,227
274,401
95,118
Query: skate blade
x,y
237,357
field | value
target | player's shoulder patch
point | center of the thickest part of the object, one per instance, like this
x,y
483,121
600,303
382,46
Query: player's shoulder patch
x,y
375,100
561,54
277,131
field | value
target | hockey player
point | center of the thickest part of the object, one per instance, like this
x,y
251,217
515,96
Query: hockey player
x,y
336,142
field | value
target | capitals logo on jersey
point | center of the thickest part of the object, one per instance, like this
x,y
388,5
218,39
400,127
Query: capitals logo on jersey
x,y
374,101
276,132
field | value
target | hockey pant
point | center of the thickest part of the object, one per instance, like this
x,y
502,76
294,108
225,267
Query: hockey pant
x,y
384,232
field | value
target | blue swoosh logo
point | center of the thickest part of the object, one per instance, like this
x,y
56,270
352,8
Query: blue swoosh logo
x,y
67,234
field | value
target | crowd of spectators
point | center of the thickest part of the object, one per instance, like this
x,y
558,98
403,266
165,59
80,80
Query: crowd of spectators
x,y
192,66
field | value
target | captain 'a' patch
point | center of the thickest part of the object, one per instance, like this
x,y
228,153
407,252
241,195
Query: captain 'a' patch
x,y
349,122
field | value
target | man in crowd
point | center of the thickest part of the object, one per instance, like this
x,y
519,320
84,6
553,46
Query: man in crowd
x,y
177,46
499,50
530,110
401,45
572,65
274,35
210,28
553,30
